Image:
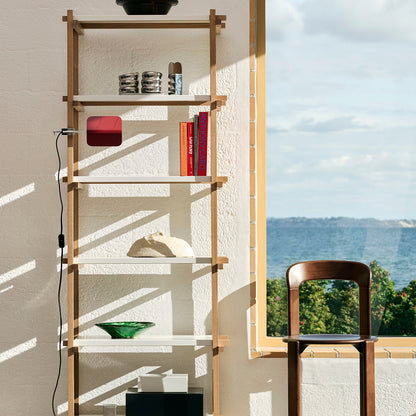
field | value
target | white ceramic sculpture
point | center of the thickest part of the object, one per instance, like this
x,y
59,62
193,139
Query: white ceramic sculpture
x,y
159,245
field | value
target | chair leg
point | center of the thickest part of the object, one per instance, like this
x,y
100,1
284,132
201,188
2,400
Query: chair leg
x,y
293,356
367,380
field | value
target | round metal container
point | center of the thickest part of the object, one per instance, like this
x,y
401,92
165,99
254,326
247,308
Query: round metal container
x,y
151,83
128,90
151,74
129,83
131,75
151,91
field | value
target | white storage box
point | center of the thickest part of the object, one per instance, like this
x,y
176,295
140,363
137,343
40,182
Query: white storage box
x,y
165,383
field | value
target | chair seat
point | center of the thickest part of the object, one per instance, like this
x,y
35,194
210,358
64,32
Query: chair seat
x,y
330,339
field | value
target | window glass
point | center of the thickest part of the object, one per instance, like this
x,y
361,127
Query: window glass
x,y
341,157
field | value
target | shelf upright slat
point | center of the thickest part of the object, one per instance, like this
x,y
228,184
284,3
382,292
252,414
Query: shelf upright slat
x,y
76,34
72,214
214,207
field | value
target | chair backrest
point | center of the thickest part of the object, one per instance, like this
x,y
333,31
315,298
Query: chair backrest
x,y
329,270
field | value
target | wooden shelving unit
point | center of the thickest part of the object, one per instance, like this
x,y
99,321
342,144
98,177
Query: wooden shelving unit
x,y
76,27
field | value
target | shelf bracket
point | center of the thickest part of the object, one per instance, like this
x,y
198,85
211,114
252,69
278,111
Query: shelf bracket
x,y
219,24
78,107
221,180
74,186
223,341
218,102
76,25
220,262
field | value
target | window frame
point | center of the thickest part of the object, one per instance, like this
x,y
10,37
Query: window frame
x,y
262,345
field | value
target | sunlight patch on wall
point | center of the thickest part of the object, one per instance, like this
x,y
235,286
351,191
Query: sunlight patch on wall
x,y
18,271
201,365
17,350
6,289
261,404
115,384
107,153
111,306
18,193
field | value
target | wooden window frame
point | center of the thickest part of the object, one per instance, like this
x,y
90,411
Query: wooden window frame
x,y
260,344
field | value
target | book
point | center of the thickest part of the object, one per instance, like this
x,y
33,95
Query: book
x,y
202,143
196,128
183,146
190,149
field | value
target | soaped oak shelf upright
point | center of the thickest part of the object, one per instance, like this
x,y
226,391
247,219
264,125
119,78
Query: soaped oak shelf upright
x,y
76,27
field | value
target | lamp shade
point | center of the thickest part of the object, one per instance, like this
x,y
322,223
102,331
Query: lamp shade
x,y
104,131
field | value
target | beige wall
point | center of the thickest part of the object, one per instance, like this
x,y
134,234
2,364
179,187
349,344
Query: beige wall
x,y
32,82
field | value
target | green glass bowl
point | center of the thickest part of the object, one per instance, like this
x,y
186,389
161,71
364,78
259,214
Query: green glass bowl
x,y
125,329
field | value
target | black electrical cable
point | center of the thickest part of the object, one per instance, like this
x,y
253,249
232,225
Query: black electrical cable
x,y
61,243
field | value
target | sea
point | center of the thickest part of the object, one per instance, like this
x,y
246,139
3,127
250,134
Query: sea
x,y
391,243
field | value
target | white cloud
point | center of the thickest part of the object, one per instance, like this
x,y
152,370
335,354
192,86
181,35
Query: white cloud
x,y
282,17
311,124
331,125
382,165
364,20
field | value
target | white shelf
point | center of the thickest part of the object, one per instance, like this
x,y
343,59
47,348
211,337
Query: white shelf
x,y
143,18
142,260
143,341
141,179
142,98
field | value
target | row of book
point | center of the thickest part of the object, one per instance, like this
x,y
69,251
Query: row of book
x,y
194,145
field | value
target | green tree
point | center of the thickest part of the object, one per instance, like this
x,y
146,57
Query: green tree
x,y
382,295
332,307
342,299
276,307
314,312
401,313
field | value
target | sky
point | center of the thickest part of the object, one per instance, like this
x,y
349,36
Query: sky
x,y
341,108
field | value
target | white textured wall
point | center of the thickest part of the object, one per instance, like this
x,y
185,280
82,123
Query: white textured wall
x,y
177,298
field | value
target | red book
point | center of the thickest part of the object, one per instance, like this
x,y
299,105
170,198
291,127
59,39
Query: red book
x,y
191,149
183,145
203,144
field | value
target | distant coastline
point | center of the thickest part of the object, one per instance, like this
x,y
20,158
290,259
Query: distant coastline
x,y
337,222
392,243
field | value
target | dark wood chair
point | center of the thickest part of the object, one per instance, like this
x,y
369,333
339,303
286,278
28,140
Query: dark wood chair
x,y
364,342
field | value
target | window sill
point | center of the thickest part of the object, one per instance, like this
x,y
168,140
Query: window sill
x,y
337,352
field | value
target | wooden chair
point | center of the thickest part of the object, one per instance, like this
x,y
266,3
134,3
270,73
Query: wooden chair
x,y
364,342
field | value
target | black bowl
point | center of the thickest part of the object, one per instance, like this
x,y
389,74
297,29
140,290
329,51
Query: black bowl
x,y
147,6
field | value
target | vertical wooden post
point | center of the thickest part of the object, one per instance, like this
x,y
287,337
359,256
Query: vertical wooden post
x,y
76,224
72,215
214,206
293,368
367,380
260,117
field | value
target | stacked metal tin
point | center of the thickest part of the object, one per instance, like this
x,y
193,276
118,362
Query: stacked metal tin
x,y
129,83
151,82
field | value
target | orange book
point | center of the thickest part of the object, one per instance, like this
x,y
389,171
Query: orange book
x,y
183,135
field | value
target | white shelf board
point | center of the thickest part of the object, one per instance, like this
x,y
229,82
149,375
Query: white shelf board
x,y
142,260
142,18
143,341
141,179
139,98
